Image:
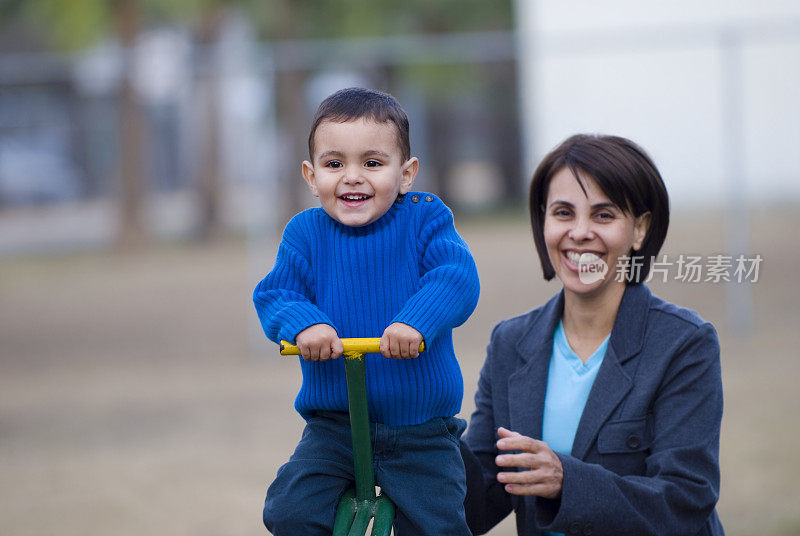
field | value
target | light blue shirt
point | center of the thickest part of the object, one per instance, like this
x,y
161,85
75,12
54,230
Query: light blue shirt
x,y
569,381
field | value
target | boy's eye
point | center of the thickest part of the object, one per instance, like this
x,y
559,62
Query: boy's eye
x,y
333,164
372,163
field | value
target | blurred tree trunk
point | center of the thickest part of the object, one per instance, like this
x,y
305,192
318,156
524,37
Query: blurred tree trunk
x,y
292,108
209,226
132,184
292,115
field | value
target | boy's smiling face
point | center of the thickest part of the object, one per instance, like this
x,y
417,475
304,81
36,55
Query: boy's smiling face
x,y
357,170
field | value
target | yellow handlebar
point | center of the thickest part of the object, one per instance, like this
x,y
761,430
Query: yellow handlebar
x,y
351,346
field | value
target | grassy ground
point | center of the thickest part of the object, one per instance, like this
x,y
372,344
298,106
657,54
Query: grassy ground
x,y
136,395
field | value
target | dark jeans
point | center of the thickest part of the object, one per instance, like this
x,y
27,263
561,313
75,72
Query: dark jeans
x,y
419,467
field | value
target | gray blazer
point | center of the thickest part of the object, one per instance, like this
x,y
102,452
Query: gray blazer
x,y
646,454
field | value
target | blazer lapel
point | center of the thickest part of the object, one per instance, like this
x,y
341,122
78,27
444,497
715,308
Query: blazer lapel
x,y
526,386
613,384
526,390
610,387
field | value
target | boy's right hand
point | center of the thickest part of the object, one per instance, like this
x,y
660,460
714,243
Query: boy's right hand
x,y
319,342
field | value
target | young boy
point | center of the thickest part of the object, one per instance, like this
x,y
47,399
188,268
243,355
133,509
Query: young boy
x,y
375,258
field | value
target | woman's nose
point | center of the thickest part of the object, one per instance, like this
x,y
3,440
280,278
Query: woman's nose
x,y
581,230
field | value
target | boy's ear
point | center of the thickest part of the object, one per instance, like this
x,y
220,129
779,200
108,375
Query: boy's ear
x,y
307,169
410,169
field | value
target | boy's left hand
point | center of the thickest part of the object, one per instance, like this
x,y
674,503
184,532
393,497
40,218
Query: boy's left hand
x,y
400,341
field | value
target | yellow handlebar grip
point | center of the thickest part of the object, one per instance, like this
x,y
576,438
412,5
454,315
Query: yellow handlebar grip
x,y
359,346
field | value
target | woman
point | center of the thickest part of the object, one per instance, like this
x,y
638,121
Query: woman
x,y
599,412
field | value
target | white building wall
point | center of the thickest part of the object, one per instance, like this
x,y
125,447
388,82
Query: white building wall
x,y
708,87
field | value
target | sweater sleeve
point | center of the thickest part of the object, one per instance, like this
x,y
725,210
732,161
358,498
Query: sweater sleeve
x,y
284,299
681,485
449,285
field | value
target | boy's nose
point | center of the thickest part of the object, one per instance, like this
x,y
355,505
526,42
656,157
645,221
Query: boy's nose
x,y
352,175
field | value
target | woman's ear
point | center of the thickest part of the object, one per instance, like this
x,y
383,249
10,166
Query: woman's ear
x,y
410,169
641,225
307,169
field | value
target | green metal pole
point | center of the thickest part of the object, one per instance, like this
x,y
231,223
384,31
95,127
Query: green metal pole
x,y
357,507
384,515
345,512
359,424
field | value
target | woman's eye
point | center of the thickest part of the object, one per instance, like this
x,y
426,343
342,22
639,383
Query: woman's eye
x,y
605,216
561,212
372,163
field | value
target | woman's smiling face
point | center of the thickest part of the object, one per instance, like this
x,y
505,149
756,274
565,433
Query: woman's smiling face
x,y
586,234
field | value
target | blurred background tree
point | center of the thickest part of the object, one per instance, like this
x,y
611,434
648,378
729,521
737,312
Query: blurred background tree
x,y
453,92
334,19
76,24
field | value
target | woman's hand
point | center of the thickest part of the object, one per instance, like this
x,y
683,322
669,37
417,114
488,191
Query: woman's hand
x,y
400,341
544,474
319,342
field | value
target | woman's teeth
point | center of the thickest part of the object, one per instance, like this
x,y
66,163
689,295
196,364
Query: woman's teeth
x,y
582,258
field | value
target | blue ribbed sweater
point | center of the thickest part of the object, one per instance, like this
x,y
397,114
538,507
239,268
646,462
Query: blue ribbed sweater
x,y
409,266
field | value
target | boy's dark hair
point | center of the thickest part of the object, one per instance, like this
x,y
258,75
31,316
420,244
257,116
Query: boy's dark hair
x,y
356,103
624,172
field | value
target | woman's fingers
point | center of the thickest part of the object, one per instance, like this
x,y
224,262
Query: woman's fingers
x,y
514,441
541,482
528,478
540,489
518,460
542,473
531,483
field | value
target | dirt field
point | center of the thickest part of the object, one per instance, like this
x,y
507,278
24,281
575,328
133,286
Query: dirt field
x,y
137,396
